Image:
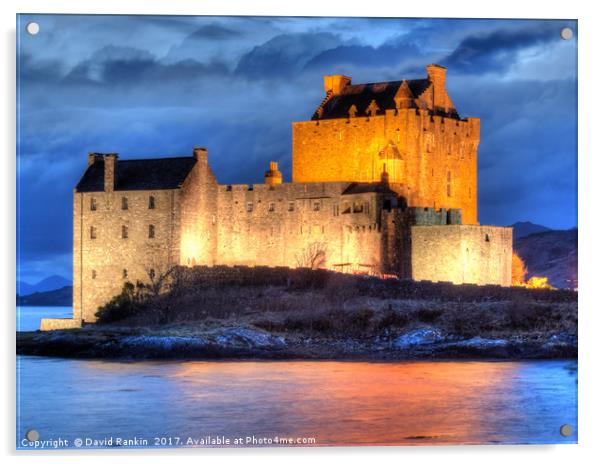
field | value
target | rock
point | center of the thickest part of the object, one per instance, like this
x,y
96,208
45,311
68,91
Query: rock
x,y
240,337
418,337
167,343
480,343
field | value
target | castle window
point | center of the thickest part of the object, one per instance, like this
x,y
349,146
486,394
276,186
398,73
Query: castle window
x,y
93,273
272,207
124,231
249,207
346,208
92,232
487,237
151,231
151,202
358,208
124,203
92,204
151,273
125,273
291,206
316,206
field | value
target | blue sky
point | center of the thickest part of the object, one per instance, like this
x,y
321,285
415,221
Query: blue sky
x,y
153,86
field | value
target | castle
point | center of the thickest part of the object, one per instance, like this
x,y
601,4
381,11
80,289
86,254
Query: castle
x,y
384,182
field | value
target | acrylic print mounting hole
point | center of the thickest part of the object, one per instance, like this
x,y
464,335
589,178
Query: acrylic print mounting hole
x,y
566,33
32,28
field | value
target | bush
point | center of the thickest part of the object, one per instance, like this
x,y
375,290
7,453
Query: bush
x,y
121,306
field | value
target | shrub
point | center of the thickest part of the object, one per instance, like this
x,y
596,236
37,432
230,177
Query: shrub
x,y
121,306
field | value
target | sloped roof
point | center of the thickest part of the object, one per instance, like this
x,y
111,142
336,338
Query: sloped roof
x,y
361,95
140,174
368,187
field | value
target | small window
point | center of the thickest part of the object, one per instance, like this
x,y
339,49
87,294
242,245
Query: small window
x,y
358,208
151,202
249,207
125,273
291,206
92,232
93,274
124,231
124,203
487,237
272,207
151,273
92,204
151,231
316,206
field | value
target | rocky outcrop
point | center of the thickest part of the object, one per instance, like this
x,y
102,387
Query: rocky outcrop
x,y
247,342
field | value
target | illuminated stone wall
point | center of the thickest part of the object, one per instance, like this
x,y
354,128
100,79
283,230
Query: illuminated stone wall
x,y
462,254
431,160
184,222
278,225
103,264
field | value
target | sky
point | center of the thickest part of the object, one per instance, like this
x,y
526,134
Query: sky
x,y
155,86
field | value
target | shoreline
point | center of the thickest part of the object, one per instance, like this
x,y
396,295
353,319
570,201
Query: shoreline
x,y
246,343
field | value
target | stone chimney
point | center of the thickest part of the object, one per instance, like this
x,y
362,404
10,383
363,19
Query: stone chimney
x,y
336,84
273,176
200,154
436,75
93,157
110,171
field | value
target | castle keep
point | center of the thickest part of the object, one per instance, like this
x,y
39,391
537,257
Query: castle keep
x,y
384,182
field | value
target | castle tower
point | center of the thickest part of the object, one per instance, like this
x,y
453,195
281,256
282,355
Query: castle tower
x,y
408,128
273,176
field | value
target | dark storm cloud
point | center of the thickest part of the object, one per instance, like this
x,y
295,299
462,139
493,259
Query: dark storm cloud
x,y
113,65
284,55
364,56
495,50
215,31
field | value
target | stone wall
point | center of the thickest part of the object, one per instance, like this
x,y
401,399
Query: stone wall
x,y
282,225
104,263
59,324
462,254
430,160
198,214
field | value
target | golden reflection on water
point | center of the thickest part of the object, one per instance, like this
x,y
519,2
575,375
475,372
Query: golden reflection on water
x,y
337,403
359,403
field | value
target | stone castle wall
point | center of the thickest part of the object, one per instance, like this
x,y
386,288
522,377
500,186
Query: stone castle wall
x,y
462,254
430,160
103,264
283,225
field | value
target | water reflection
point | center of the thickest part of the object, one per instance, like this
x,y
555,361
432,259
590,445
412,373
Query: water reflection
x,y
335,402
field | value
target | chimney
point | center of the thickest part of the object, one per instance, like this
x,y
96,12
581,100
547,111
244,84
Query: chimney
x,y
336,84
110,171
200,154
273,176
436,75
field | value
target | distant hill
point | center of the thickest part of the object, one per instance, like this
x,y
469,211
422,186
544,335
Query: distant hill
x,y
53,282
552,254
59,297
524,228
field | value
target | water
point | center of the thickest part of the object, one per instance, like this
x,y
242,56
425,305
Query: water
x,y
335,403
29,317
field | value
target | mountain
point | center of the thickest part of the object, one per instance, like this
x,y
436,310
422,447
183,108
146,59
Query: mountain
x,y
53,282
59,297
523,228
551,254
